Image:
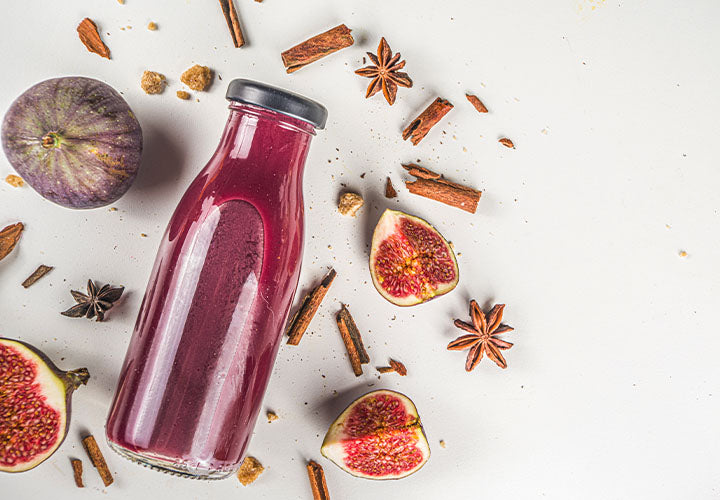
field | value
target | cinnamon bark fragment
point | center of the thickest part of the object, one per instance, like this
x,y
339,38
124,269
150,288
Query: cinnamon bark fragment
x,y
233,22
316,474
421,125
9,237
432,185
353,341
316,48
41,271
89,36
477,103
389,189
77,472
507,143
395,366
309,307
97,459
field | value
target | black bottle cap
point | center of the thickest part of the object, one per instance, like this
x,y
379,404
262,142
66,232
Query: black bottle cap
x,y
275,99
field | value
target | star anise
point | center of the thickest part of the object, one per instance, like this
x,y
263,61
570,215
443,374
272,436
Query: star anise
x,y
385,73
95,303
483,336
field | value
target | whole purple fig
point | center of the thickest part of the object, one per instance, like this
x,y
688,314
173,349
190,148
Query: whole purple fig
x,y
74,140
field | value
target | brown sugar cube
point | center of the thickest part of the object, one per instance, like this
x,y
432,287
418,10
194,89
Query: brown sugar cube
x,y
183,95
197,78
152,82
350,203
249,471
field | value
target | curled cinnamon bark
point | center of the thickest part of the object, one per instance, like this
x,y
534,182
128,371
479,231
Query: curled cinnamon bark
x,y
309,307
432,185
233,22
353,341
421,125
316,48
89,36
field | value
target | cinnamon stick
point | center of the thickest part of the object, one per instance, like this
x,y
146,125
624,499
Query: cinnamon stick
x,y
432,185
233,22
9,237
36,275
316,48
89,36
77,472
352,339
316,474
309,307
421,125
97,459
389,189
477,103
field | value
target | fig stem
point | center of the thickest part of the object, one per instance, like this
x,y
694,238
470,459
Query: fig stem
x,y
51,140
76,378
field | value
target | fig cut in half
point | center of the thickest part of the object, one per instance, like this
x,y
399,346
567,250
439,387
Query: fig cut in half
x,y
34,405
379,436
410,261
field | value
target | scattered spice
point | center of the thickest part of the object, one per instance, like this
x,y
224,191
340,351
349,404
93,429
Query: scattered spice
x,y
442,443
233,23
432,185
350,203
97,459
95,303
152,26
197,78
477,103
15,180
682,253
395,366
506,142
152,82
316,474
249,471
36,275
352,339
272,416
316,48
9,237
482,337
77,472
183,95
389,189
90,37
309,307
385,73
421,125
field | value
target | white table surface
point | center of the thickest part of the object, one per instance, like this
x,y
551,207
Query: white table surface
x,y
613,386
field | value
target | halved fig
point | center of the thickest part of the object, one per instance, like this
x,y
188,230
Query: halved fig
x,y
379,436
34,405
410,261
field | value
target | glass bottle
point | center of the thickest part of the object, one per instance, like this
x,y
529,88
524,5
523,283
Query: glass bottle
x,y
217,301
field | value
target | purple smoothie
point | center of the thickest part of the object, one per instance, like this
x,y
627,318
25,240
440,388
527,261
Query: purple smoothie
x,y
218,298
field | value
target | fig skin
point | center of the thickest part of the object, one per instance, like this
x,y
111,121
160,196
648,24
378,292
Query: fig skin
x,y
68,380
74,140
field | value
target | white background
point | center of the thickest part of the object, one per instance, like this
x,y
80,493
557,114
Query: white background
x,y
613,386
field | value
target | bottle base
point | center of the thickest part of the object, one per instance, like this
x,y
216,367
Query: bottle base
x,y
168,466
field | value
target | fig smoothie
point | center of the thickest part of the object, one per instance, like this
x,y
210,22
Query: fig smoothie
x,y
219,294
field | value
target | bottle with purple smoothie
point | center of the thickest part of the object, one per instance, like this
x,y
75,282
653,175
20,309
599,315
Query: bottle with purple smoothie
x,y
212,318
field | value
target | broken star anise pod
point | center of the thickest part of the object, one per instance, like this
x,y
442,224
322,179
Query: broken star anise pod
x,y
482,338
95,303
385,73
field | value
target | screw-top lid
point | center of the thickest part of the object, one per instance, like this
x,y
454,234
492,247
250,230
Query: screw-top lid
x,y
275,99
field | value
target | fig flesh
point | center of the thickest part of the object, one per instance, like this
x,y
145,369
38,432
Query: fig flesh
x,y
379,436
34,405
410,261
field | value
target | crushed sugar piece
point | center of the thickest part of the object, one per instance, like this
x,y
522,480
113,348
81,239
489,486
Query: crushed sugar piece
x,y
153,82
15,180
350,203
249,471
183,95
152,26
197,78
272,416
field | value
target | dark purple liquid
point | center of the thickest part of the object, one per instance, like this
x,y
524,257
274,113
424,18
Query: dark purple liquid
x,y
218,298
